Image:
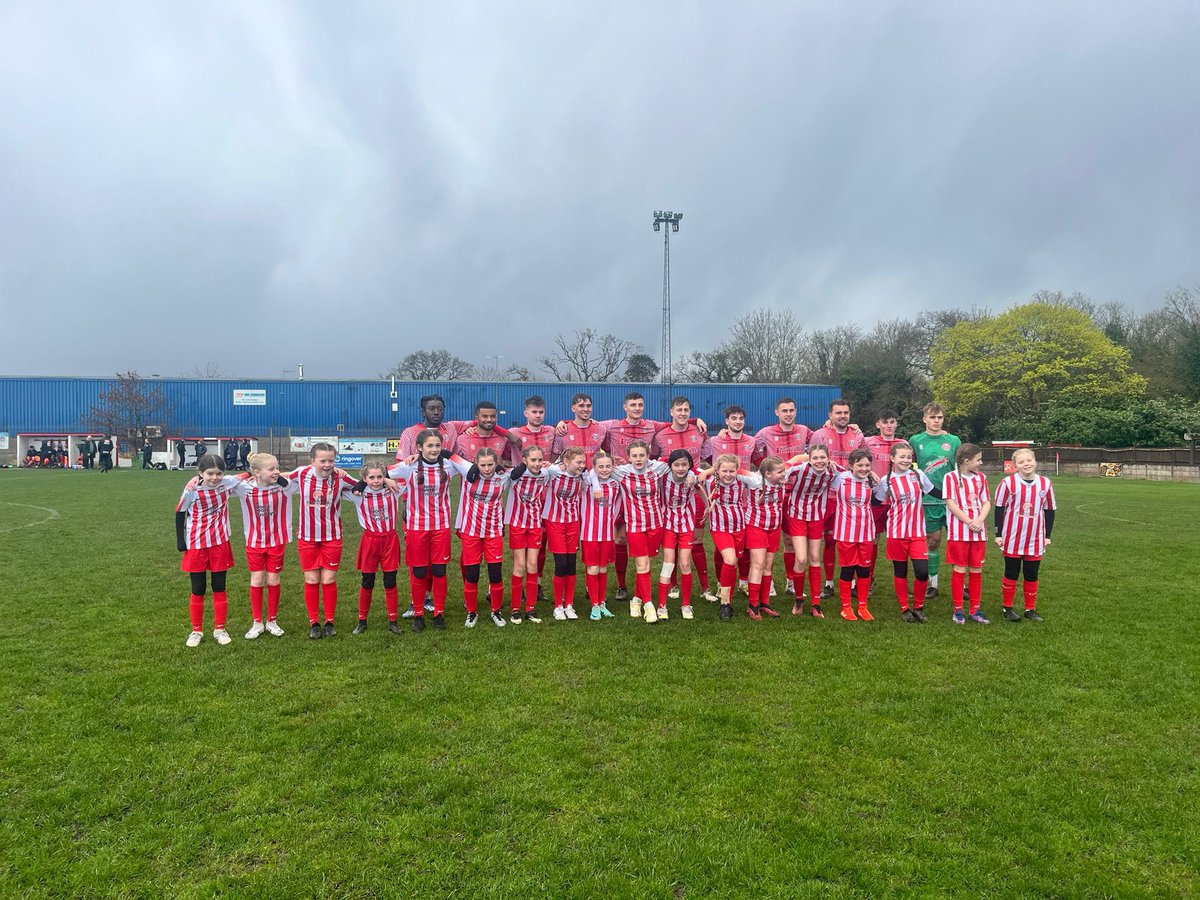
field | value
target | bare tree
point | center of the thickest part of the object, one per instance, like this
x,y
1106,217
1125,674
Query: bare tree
x,y
709,367
431,365
129,407
827,352
768,346
588,356
209,370
496,373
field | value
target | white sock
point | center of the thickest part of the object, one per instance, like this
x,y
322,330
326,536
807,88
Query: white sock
x,y
933,581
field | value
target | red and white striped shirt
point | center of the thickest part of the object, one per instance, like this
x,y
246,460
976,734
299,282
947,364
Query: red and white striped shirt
x,y
1025,504
765,507
679,503
808,492
667,440
467,445
641,494
378,510
906,513
727,512
598,516
266,513
970,492
481,506
563,496
543,437
526,499
207,521
742,446
427,507
774,441
320,503
590,437
881,452
854,522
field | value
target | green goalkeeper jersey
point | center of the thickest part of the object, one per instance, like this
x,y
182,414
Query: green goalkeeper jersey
x,y
934,455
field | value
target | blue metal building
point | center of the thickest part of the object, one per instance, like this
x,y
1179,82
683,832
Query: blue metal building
x,y
367,408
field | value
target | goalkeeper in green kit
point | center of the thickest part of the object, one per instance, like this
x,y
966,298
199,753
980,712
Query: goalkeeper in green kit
x,y
934,452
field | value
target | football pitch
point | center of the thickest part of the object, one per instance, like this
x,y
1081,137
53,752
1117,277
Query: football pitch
x,y
785,758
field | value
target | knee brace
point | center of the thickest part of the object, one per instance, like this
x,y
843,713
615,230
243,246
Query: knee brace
x,y
439,570
419,571
667,569
368,580
471,574
389,579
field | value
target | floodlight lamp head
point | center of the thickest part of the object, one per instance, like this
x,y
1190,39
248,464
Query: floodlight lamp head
x,y
658,214
678,216
656,228
675,225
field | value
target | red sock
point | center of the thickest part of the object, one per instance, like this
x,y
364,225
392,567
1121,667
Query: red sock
x,y
542,557
256,602
754,591
700,565
814,584
622,563
364,601
642,582
1028,588
663,588
956,588
471,596
728,575
685,588
391,600
496,592
974,590
1008,590
569,590
515,583
312,602
744,566
602,584
439,595
901,585
844,592
196,611
417,587
558,591
329,597
920,585
789,567
531,583
221,605
272,601
829,557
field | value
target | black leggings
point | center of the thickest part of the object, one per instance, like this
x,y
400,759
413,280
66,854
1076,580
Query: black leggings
x,y
920,569
1014,564
389,579
471,573
849,573
564,564
438,570
218,582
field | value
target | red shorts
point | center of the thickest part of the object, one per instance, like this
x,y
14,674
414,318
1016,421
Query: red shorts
x,y
830,516
319,554
524,538
428,548
644,543
880,513
562,537
481,549
378,551
207,559
854,553
265,559
1033,556
901,549
678,540
811,531
966,553
598,553
723,540
757,539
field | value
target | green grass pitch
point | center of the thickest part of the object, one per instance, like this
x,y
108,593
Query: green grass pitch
x,y
785,758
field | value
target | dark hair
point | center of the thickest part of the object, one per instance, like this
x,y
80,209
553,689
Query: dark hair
x,y
813,448
783,400
680,454
535,400
210,461
734,411
679,401
965,452
634,395
484,404
856,455
581,396
320,446
899,445
429,398
840,401
933,408
422,438
885,414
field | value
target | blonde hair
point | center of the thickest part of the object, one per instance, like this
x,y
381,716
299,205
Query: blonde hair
x,y
258,461
370,464
768,465
1021,450
727,458
571,453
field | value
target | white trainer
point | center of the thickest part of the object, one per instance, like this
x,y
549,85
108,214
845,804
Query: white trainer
x,y
687,612
710,596
221,636
569,609
559,615
648,612
673,593
635,608
790,588
744,587
273,628
772,592
255,630
195,638
663,613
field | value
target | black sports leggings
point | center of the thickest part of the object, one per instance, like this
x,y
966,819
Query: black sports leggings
x,y
849,573
1014,564
471,573
218,582
368,580
920,569
438,570
564,564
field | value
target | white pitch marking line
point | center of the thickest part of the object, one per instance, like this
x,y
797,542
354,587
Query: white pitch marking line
x,y
50,514
1082,507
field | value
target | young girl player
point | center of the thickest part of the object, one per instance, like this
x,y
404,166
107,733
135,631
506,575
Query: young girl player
x,y
266,500
965,491
202,534
378,508
1024,519
903,490
601,503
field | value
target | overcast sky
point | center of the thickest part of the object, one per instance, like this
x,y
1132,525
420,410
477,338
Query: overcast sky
x,y
252,185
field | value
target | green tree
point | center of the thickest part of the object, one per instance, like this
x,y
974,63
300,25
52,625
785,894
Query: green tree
x,y
1022,361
